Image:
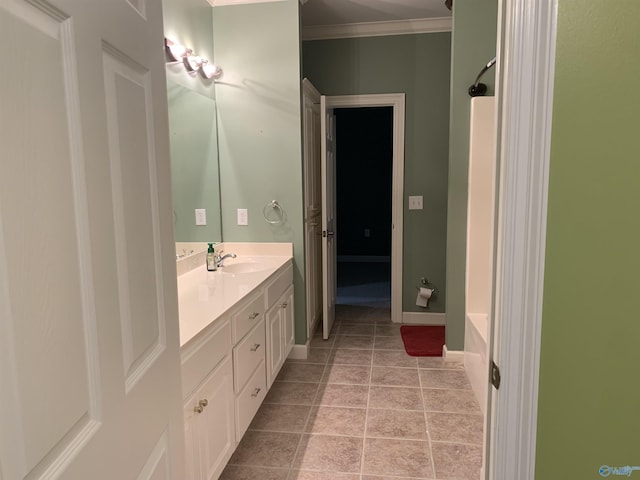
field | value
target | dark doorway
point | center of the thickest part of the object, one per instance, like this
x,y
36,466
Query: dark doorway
x,y
364,173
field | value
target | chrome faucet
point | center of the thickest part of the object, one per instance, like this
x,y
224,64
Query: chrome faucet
x,y
220,258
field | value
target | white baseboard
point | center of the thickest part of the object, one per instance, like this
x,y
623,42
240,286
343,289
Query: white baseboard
x,y
299,352
424,318
452,355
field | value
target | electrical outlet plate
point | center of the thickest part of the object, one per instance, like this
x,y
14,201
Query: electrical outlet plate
x,y
415,202
243,216
201,216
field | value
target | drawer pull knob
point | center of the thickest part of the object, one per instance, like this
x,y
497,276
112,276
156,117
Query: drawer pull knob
x,y
256,392
201,404
255,347
283,305
253,315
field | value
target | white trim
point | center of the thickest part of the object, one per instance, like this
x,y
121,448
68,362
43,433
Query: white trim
x,y
525,81
397,101
424,318
452,355
376,29
299,352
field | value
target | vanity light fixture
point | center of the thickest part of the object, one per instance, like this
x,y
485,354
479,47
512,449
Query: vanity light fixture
x,y
176,50
192,62
210,70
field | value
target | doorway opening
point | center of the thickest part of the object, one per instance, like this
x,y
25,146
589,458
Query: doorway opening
x,y
328,105
364,172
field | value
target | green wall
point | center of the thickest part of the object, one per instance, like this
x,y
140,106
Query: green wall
x,y
260,125
473,45
589,390
419,66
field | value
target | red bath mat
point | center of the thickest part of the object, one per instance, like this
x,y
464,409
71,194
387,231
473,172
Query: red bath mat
x,y
423,340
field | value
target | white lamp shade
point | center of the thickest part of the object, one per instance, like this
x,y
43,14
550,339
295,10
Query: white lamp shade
x,y
192,62
176,50
211,70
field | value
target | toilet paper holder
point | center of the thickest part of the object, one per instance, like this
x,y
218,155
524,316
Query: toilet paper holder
x,y
424,282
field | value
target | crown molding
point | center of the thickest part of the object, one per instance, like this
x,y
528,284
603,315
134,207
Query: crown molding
x,y
377,29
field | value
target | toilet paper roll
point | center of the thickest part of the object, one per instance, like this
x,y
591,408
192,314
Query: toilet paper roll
x,y
423,296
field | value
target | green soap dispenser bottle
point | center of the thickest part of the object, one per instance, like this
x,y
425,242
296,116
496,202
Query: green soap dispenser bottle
x,y
211,260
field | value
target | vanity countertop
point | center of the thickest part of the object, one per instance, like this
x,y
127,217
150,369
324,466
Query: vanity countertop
x,y
205,296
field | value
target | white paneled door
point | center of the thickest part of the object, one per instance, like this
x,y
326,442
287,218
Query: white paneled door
x,y
329,253
89,351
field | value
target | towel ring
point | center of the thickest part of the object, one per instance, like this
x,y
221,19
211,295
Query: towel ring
x,y
279,212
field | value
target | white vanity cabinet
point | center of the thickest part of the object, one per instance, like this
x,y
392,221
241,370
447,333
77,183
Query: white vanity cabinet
x,y
236,332
279,322
207,385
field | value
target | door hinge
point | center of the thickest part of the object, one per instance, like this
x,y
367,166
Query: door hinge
x,y
495,375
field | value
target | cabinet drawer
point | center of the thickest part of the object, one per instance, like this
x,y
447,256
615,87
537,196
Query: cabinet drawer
x,y
248,354
278,285
247,317
202,357
249,400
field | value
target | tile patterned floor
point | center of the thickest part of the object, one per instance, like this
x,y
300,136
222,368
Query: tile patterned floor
x,y
360,408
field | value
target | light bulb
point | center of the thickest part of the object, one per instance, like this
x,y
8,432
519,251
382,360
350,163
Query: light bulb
x,y
176,51
210,70
192,62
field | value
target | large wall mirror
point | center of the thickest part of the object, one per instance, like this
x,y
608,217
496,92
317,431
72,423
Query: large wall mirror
x,y
194,163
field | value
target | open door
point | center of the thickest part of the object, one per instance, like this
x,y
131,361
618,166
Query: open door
x,y
89,348
328,163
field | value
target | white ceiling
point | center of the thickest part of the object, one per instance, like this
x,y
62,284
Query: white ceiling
x,y
339,12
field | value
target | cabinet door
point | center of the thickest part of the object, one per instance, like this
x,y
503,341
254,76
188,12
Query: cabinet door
x,y
213,407
192,442
275,354
217,428
287,320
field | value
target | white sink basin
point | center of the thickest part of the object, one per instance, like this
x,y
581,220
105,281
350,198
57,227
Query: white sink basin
x,y
246,267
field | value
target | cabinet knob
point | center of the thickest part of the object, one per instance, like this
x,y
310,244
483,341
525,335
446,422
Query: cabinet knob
x,y
256,392
253,315
255,347
201,404
283,305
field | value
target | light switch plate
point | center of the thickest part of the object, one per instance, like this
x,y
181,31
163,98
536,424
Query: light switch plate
x,y
415,202
243,216
201,216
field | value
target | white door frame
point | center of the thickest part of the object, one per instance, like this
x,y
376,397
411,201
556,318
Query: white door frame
x,y
526,53
397,101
